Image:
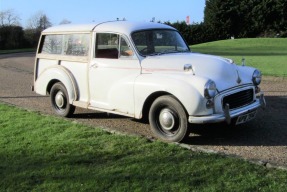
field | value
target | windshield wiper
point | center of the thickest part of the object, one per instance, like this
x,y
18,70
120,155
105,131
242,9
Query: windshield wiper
x,y
154,54
167,52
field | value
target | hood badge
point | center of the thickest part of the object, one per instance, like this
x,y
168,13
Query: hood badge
x,y
243,61
238,77
238,80
188,67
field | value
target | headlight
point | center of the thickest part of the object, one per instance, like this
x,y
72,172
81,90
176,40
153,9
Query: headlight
x,y
210,89
256,77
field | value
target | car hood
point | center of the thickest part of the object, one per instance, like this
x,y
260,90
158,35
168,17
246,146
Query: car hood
x,y
222,71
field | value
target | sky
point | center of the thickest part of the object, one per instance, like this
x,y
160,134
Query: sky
x,y
87,11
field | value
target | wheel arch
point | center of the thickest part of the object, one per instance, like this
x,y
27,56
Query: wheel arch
x,y
50,85
151,98
56,74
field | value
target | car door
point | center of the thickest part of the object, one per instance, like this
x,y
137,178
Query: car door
x,y
112,73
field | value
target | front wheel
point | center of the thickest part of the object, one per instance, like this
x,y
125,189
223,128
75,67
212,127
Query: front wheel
x,y
60,100
168,119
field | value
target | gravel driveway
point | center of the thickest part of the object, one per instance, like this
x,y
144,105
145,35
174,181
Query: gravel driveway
x,y
264,138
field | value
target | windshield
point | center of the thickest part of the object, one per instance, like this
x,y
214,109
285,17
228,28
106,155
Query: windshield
x,y
156,42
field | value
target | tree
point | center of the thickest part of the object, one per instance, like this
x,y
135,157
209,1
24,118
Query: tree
x,y
284,18
200,33
11,37
36,24
223,17
32,37
9,18
245,18
11,34
65,21
39,22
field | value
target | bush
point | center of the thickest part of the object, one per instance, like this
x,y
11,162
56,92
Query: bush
x,y
11,37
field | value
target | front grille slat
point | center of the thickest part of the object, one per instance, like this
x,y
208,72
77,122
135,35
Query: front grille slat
x,y
239,99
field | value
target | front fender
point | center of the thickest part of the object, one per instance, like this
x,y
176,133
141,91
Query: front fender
x,y
187,92
57,73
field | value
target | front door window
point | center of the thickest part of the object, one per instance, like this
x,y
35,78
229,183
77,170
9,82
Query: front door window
x,y
112,46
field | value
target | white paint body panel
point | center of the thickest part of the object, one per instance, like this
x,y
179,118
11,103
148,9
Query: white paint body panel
x,y
56,73
123,85
215,68
112,84
79,71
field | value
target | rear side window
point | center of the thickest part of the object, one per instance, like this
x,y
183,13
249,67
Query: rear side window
x,y
76,44
68,44
52,44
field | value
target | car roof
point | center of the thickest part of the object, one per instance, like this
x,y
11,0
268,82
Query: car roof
x,y
125,27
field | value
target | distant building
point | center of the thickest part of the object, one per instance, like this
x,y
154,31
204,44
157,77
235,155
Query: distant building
x,y
187,20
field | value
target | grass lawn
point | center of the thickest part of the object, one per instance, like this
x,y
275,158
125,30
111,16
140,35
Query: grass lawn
x,y
267,54
43,153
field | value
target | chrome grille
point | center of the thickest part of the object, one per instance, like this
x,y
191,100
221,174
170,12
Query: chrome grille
x,y
239,99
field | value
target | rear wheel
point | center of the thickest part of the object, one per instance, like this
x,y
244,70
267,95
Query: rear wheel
x,y
60,100
168,119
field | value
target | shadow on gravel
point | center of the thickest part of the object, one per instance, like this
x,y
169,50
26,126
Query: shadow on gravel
x,y
23,97
268,129
98,115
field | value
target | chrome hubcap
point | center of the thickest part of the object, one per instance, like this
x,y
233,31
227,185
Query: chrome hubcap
x,y
60,99
166,119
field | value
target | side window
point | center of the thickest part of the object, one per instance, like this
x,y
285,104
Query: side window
x,y
107,45
125,49
68,44
76,44
52,44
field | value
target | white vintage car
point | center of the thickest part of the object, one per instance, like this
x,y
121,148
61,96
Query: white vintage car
x,y
143,70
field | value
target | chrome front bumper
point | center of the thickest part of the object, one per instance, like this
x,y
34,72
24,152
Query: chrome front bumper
x,y
228,115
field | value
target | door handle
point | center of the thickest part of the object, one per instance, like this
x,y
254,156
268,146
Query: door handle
x,y
95,65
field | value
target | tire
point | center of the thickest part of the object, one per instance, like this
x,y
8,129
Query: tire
x,y
168,119
60,100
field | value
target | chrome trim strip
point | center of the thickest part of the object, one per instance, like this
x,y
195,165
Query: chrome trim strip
x,y
232,93
228,115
